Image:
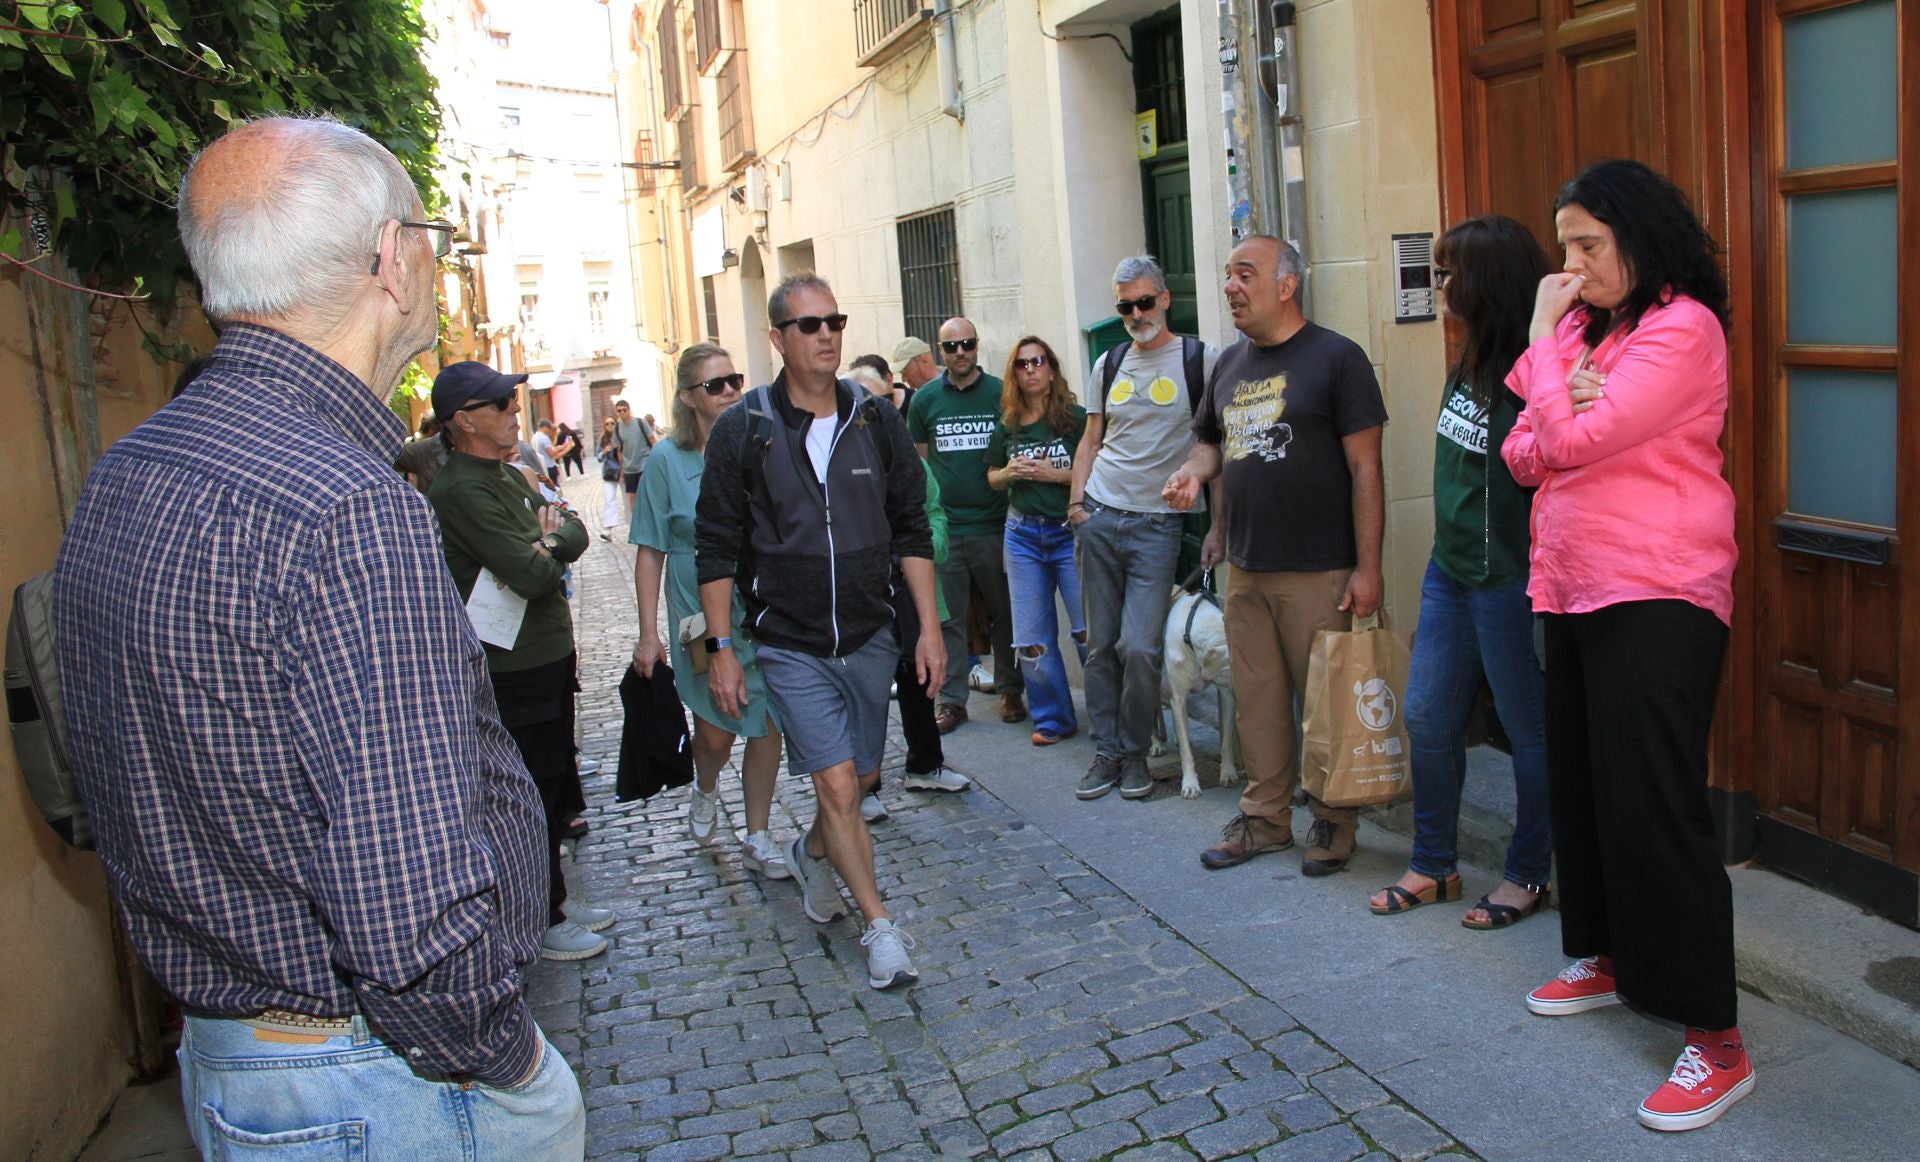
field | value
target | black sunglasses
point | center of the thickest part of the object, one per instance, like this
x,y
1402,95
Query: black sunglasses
x,y
719,384
810,324
952,345
1143,303
1034,361
498,405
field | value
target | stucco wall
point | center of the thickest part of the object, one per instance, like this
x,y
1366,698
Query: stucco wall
x,y
61,1008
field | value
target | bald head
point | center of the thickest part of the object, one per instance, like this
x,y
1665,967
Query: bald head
x,y
283,216
959,350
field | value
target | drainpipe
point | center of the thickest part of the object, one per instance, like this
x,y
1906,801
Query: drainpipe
x,y
1285,111
948,56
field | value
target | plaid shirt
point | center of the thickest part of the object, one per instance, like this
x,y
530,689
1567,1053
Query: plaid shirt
x,y
283,725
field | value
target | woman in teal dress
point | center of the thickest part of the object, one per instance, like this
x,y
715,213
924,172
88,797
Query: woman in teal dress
x,y
662,530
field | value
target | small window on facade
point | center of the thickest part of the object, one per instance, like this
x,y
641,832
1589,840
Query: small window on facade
x,y
597,296
929,272
712,303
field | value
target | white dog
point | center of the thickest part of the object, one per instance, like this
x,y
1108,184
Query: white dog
x,y
1196,657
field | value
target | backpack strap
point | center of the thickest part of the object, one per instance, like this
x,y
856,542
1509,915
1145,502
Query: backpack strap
x,y
1194,354
1110,361
756,436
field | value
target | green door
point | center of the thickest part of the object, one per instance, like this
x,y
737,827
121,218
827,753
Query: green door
x,y
1159,83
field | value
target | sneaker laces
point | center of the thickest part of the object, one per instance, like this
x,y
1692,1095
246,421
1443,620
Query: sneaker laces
x,y
1320,834
899,935
1580,970
1240,825
1691,1069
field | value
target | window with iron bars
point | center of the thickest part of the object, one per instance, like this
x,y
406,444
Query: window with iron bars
x,y
687,132
667,42
929,272
644,156
881,28
713,31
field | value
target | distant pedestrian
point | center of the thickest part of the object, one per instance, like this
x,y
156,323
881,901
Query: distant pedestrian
x,y
421,458
551,450
636,438
1475,616
951,419
607,452
1633,557
574,462
821,596
1030,458
1141,398
663,531
321,842
1291,423
497,530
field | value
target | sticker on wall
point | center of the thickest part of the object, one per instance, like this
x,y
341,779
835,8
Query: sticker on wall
x,y
1146,133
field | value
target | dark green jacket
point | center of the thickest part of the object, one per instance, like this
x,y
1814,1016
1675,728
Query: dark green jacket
x,y
490,517
1481,517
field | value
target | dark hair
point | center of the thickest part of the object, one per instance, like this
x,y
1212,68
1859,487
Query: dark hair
x,y
1059,414
877,363
1495,266
1664,246
804,280
189,373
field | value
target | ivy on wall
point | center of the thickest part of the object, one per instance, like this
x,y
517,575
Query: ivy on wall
x,y
117,95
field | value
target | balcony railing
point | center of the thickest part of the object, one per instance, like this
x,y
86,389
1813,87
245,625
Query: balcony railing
x,y
882,28
734,118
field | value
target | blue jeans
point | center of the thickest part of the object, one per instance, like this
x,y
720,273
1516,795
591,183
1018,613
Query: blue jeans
x,y
1039,556
1127,561
352,1097
1464,632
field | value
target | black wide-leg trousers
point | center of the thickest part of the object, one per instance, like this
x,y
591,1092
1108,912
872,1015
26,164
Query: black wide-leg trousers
x,y
1630,694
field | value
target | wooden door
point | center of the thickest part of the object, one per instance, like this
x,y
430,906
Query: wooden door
x,y
1531,90
1834,166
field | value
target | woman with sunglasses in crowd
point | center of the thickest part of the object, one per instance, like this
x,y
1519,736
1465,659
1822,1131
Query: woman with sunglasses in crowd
x,y
607,451
1475,616
1633,553
1030,458
662,530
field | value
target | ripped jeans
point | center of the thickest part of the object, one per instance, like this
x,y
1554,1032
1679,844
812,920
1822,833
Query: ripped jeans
x,y
1039,559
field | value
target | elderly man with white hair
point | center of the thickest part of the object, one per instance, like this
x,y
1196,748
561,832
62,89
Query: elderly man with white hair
x,y
323,843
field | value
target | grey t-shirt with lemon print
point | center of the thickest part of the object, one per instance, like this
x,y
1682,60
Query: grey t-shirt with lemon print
x,y
1149,427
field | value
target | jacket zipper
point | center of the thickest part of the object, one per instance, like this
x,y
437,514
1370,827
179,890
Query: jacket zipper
x,y
833,558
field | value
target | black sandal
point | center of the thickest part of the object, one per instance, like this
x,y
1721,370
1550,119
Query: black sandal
x,y
1505,915
1401,900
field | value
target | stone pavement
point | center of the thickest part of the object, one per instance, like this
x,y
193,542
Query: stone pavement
x,y
1088,991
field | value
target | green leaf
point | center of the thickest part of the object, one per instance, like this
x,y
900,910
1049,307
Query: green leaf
x,y
113,14
165,35
221,111
10,242
211,57
54,56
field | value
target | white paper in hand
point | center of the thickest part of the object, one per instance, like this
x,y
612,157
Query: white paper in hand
x,y
496,610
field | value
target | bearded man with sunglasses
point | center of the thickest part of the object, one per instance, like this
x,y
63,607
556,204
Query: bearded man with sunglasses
x,y
951,419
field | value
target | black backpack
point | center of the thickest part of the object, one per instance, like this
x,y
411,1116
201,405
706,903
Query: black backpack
x,y
756,435
34,709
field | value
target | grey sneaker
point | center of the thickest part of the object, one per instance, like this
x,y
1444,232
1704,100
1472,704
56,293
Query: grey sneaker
x,y
871,808
817,894
1135,782
887,961
703,808
937,779
567,940
761,854
1100,777
589,917
589,767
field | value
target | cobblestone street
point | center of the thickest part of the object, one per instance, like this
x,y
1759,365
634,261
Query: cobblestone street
x,y
1054,1013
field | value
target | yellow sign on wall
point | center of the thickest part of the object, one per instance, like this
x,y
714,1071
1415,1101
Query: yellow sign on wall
x,y
1146,133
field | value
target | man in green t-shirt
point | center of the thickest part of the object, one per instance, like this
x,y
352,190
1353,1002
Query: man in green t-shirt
x,y
951,419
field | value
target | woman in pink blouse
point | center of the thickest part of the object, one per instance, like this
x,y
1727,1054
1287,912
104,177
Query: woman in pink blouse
x,y
1625,386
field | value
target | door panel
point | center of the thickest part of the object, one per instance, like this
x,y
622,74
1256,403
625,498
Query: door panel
x,y
1606,85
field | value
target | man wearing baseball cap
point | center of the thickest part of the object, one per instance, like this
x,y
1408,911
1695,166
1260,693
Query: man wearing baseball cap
x,y
495,529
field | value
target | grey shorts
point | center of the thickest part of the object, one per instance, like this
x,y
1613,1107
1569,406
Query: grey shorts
x,y
832,709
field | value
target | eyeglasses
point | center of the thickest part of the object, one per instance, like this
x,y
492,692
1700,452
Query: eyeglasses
x,y
1024,363
719,384
952,345
498,405
442,234
1143,303
810,324
1442,276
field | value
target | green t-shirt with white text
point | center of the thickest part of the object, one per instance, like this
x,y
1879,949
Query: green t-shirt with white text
x,y
1038,441
955,426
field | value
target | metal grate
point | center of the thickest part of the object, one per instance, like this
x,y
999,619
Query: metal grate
x,y
880,23
736,128
1159,75
929,272
644,155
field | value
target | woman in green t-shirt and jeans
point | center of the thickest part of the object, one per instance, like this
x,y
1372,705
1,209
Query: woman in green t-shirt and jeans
x,y
1475,615
1030,457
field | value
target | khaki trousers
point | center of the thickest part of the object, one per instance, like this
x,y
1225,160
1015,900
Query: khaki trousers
x,y
1271,620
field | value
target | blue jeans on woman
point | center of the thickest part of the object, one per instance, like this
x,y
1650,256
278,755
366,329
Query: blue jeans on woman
x,y
1039,557
1465,631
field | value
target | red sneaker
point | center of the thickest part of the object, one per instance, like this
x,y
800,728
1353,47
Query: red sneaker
x,y
1581,987
1698,1092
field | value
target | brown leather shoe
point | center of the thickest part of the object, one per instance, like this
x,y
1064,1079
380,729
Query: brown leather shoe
x,y
1329,845
949,716
1012,709
1245,837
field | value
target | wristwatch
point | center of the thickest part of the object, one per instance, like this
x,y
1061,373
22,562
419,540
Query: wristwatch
x,y
551,542
716,644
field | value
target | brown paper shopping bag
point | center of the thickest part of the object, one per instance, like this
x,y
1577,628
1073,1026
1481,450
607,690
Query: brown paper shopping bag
x,y
1356,752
